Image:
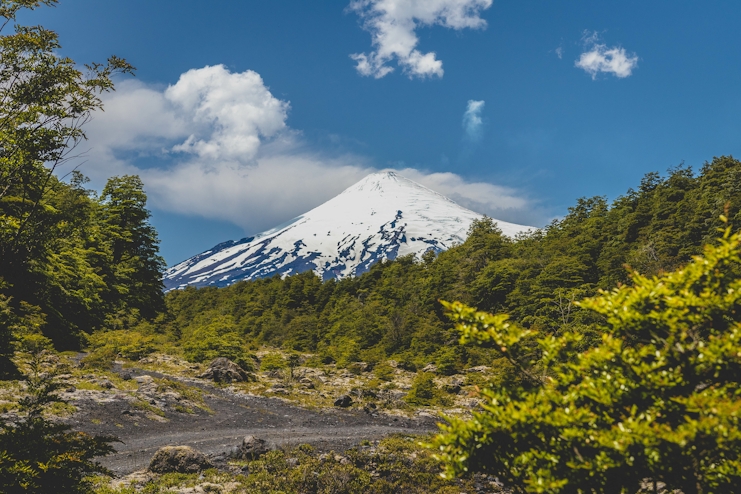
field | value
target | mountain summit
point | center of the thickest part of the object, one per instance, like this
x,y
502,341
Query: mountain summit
x,y
381,217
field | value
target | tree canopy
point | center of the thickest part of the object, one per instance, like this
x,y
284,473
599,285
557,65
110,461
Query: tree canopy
x,y
70,262
393,310
655,400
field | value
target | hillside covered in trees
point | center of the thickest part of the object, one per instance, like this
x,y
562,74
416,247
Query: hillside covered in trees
x,y
393,311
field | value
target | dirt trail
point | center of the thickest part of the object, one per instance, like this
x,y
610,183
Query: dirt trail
x,y
233,417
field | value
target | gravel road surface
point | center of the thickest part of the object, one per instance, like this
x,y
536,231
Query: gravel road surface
x,y
234,416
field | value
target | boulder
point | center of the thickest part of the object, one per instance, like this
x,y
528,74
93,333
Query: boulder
x,y
178,459
343,401
253,447
223,370
105,384
453,388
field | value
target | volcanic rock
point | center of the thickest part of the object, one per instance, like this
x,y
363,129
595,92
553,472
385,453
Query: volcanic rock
x,y
178,459
223,370
343,401
253,447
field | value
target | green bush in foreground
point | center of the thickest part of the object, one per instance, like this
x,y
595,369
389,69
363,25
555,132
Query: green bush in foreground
x,y
38,455
658,399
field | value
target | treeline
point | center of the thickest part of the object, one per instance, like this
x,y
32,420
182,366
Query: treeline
x,y
80,262
71,262
393,311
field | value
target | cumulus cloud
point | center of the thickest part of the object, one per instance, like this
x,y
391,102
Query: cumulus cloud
x,y
216,145
599,58
392,24
472,122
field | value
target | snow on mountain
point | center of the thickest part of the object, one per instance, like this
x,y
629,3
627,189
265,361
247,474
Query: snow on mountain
x,y
381,217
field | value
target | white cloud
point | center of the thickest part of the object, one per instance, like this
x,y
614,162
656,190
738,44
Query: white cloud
x,y
392,24
493,200
216,145
559,52
472,122
599,58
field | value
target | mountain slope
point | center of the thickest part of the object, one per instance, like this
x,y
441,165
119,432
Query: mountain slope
x,y
381,217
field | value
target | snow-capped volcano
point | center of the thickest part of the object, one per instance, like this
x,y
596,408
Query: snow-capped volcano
x,y
381,217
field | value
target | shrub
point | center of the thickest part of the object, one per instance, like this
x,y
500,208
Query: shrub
x,y
406,362
447,361
273,361
40,455
106,346
384,371
207,345
128,344
100,358
424,391
656,399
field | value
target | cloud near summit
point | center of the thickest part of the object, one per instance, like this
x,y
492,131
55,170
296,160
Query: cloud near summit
x,y
216,144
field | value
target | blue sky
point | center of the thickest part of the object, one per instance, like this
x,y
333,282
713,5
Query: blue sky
x,y
245,114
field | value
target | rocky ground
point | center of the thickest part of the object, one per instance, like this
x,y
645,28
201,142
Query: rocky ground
x,y
147,410
162,400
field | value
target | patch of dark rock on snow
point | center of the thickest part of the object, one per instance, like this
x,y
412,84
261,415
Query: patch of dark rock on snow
x,y
179,459
223,370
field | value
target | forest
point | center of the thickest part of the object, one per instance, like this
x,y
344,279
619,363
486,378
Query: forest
x,y
394,310
611,334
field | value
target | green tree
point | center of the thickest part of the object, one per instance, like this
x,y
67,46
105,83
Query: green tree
x,y
135,264
39,455
657,399
47,246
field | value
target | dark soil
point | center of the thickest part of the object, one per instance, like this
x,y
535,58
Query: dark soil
x,y
234,416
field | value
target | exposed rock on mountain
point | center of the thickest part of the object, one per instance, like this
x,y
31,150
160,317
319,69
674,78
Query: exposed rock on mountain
x,y
381,217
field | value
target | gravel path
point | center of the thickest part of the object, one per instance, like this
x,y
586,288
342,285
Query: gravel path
x,y
234,416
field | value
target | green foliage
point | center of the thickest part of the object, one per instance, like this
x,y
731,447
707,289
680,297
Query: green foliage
x,y
424,391
392,311
131,345
74,258
655,399
273,361
384,371
212,345
106,346
447,360
38,455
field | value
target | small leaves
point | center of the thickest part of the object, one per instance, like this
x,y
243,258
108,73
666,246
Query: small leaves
x,y
659,397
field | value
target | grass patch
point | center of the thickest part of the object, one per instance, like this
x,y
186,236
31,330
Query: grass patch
x,y
191,393
60,409
182,409
88,386
147,407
